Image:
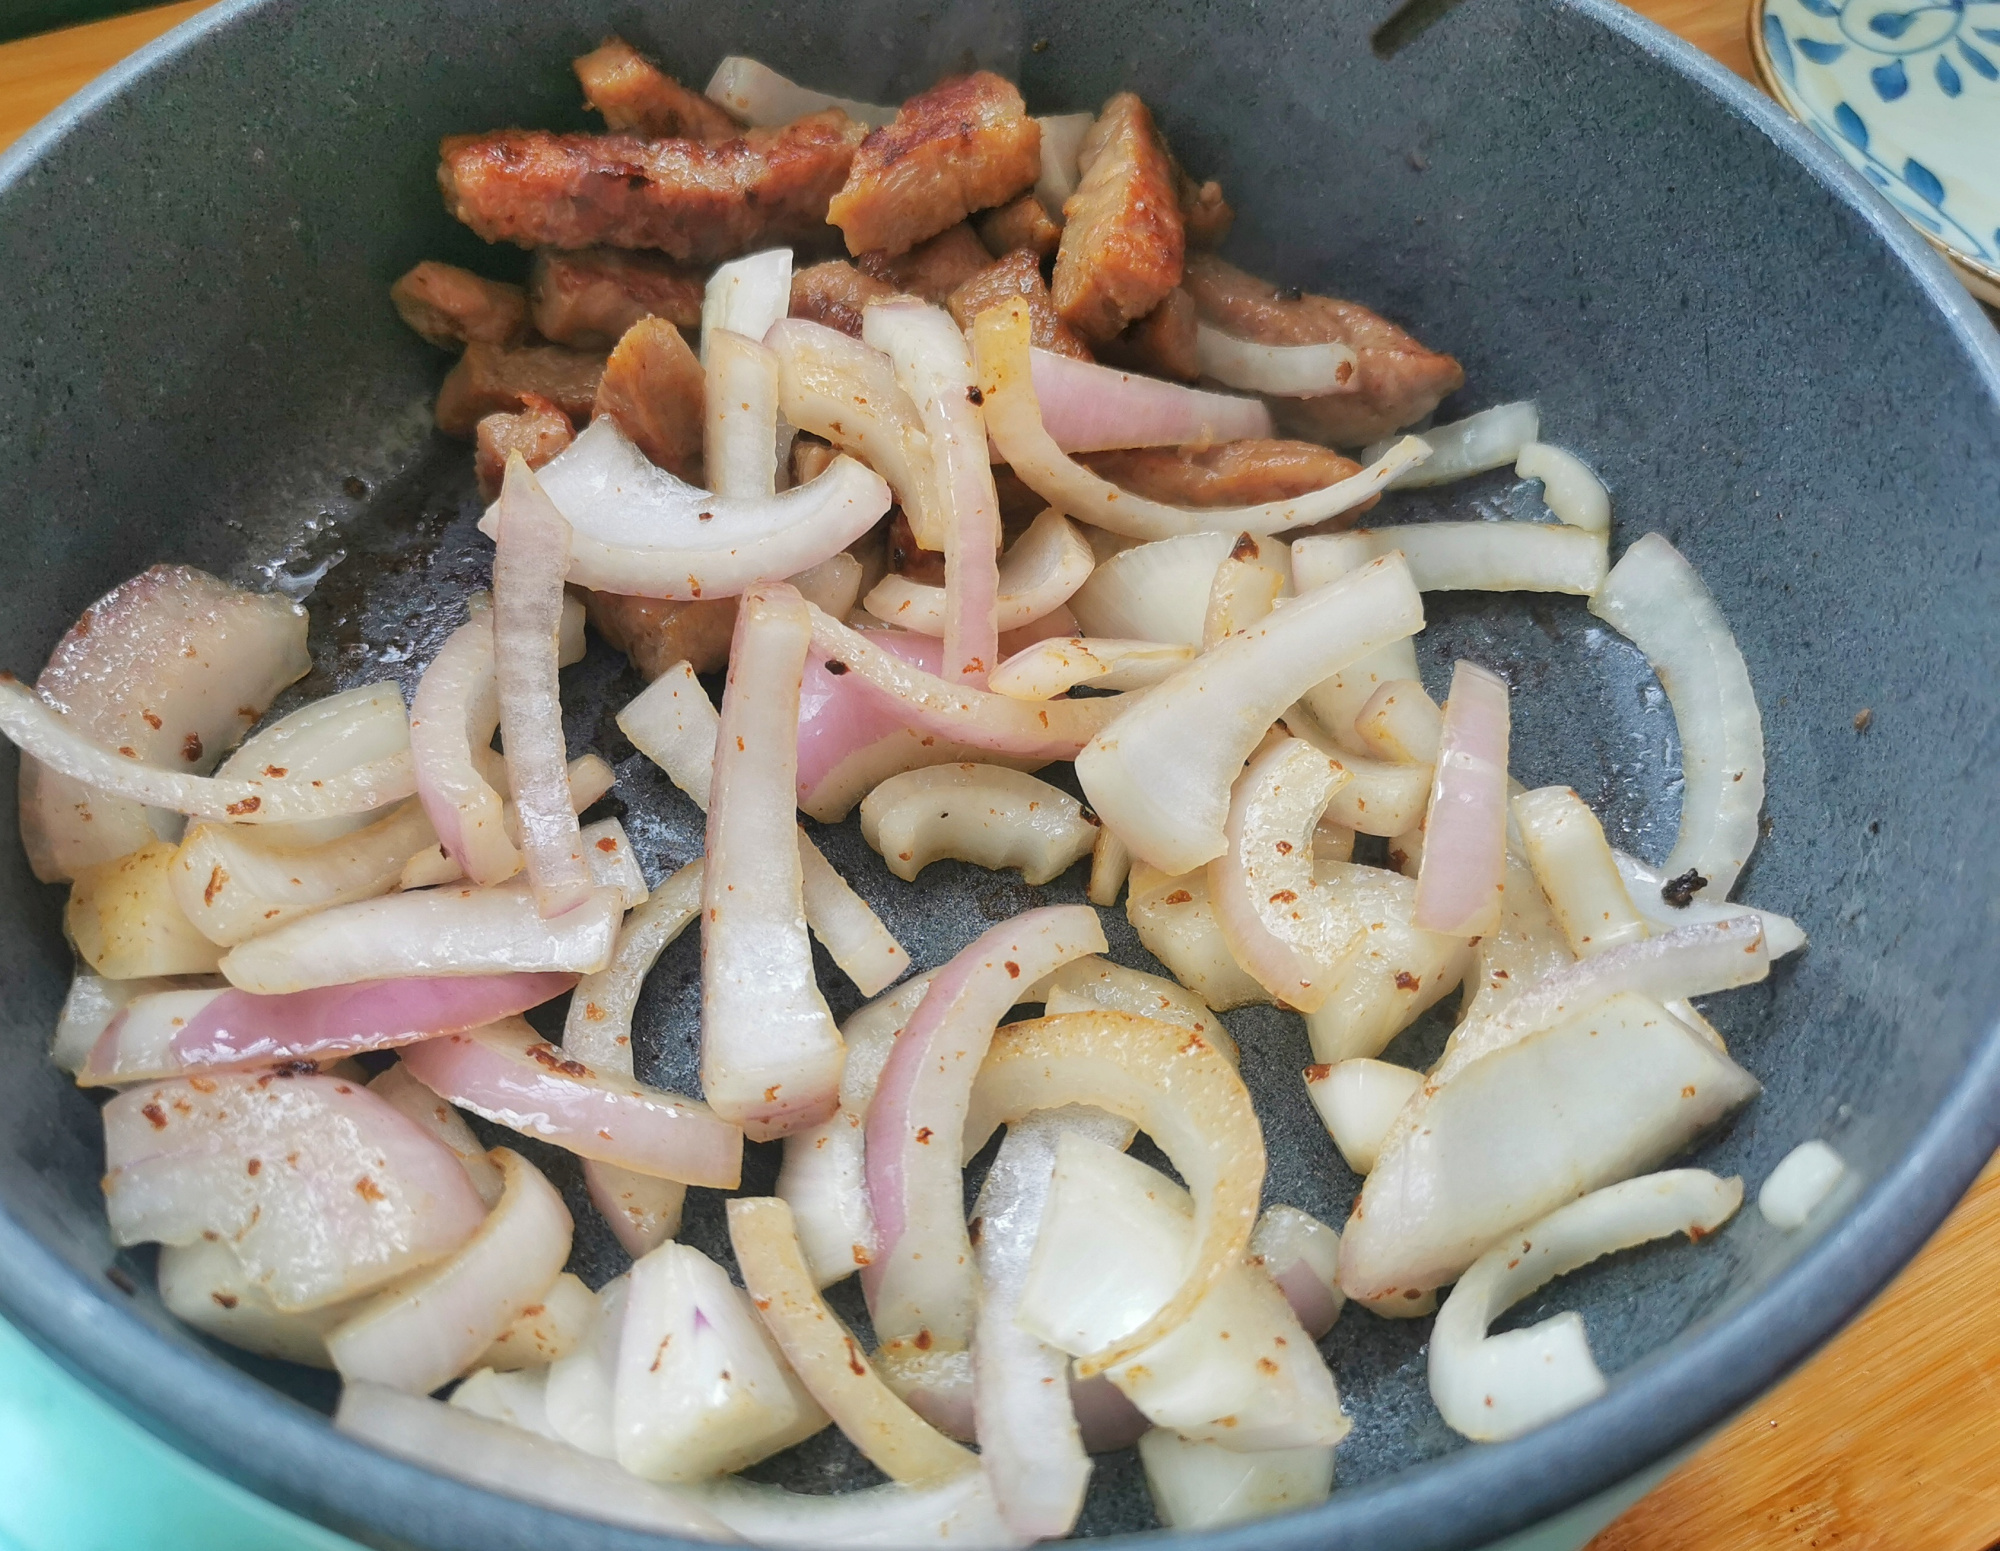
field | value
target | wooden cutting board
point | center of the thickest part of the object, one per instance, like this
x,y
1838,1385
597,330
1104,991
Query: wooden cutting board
x,y
1890,1439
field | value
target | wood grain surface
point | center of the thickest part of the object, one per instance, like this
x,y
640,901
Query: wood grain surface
x,y
1889,1440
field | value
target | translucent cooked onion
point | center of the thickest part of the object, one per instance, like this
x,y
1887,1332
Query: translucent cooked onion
x,y
1578,875
1401,723
1110,866
1062,140
1359,1100
959,1513
1037,576
1154,592
1800,1184
745,297
1014,420
1283,371
740,415
1573,493
1301,1256
1091,408
1205,1485
452,719
1161,772
764,99
1392,973
1646,883
1175,919
548,1329
1490,439
983,814
1494,1387
1478,556
321,738
1094,982
402,1092
1057,665
1654,598
203,1284
1465,826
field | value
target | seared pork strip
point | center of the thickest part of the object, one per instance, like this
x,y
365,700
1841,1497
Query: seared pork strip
x,y
538,431
967,144
696,203
453,307
1020,224
1245,473
933,269
1018,274
656,633
1397,379
587,299
653,389
1123,239
1162,342
834,293
637,97
492,380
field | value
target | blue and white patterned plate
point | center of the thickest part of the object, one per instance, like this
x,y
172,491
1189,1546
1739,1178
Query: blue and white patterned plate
x,y
1908,91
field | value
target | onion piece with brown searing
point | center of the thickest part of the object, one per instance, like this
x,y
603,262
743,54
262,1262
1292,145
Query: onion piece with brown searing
x,y
1491,439
1058,664
1401,723
1161,771
1090,408
1014,420
1479,556
1037,576
1283,371
983,814
1465,826
512,1076
1578,875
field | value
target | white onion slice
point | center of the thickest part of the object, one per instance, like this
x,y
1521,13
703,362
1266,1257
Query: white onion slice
x,y
1058,664
1037,576
1654,598
770,1054
637,529
1465,826
1091,408
1610,1092
740,414
764,99
1175,918
322,1189
1401,723
922,1278
745,297
1248,584
328,735
1091,982
582,1384
1495,1387
512,1076
1578,875
1154,592
833,586
936,1384
1782,935
854,936
1014,420
203,1284
672,722
825,1355
1301,1256
1359,1099
519,1399
1803,1179
1160,773
589,778
643,1210
1110,866
397,1088
516,1463
1576,495
1478,556
1284,371
1491,439
959,1513
93,1001
983,814
452,718
547,1330
1526,948
429,1328
1197,1485
1392,974
1062,140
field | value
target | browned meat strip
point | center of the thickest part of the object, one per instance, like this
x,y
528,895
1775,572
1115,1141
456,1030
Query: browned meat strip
x,y
1018,274
637,97
1123,239
1204,212
1246,473
1398,379
538,431
492,380
834,293
589,298
452,307
695,202
653,388
932,269
656,633
1161,343
1022,224
966,144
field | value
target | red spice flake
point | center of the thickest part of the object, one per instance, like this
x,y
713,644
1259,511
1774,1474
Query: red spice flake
x,y
154,1113
254,1167
368,1190
974,396
1284,848
861,1255
200,1084
660,1352
216,878
1284,897
128,751
1265,1365
247,805
922,1341
1688,1091
1318,1073
191,748
275,772
1013,970
771,1093
1405,981
1696,1233
1178,897
924,1135
854,1362
1245,548
835,666
152,720
227,1300
607,844
547,1055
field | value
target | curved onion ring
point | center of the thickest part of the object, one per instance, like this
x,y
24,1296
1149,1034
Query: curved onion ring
x,y
1058,664
429,1328
922,1276
1491,439
1154,592
1037,576
1494,1387
1160,773
825,1355
1014,420
1644,882
1283,371
1655,600
1570,490
987,815
1091,408
1084,984
1465,827
337,732
1173,1085
1476,556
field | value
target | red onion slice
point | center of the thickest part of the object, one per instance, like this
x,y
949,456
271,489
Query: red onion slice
x,y
1465,827
1014,420
323,1190
511,1075
1301,1256
453,716
203,1284
530,557
447,931
770,1054
1091,408
1160,773
922,1282
1477,556
93,1001
429,1328
1283,371
1037,576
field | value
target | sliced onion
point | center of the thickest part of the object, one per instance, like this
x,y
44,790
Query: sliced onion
x,y
764,99
854,936
1401,723
745,297
516,1463
936,1384
1480,556
454,715
1160,773
1359,1099
582,1387
1014,420
1154,592
448,931
322,1189
1107,1420
826,1356
1654,598
960,1513
1301,1256
1491,439
770,1054
610,864
921,1280
94,1001
124,921
1573,493
519,1399
740,415
1565,846
1173,1085
512,1076
1176,921
672,722
1091,982
429,1328
1062,140
320,739
1612,1091
170,1033
1091,408
1037,576
983,814
1247,586
1527,946
397,1088
1801,1182
1391,975
833,586
1465,827
1205,1485
1284,371
589,779
1495,1387
203,1284
1055,666
642,1210
1110,866
636,529
934,367
1782,935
